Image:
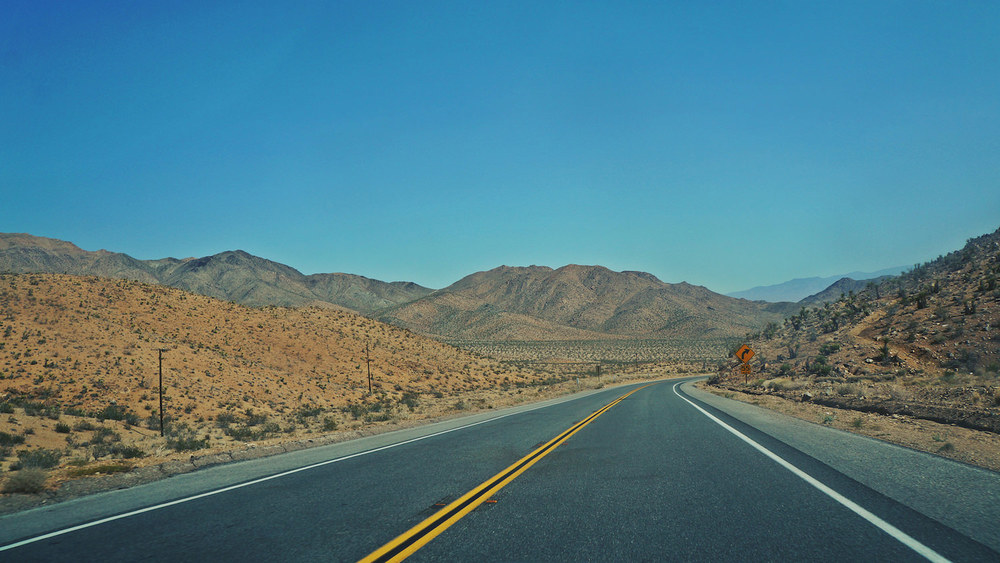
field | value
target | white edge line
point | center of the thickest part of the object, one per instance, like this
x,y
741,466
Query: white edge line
x,y
879,523
262,479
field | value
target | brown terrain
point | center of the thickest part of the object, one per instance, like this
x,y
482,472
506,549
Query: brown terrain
x,y
590,313
79,377
600,311
913,359
923,348
232,275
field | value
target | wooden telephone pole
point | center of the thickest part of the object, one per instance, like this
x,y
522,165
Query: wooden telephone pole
x,y
368,360
160,353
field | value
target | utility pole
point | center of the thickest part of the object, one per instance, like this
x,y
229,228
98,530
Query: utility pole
x,y
368,360
160,353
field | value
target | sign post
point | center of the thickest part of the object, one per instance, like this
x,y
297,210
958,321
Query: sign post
x,y
744,354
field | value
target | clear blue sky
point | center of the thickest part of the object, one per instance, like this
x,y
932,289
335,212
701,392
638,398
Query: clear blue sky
x,y
727,144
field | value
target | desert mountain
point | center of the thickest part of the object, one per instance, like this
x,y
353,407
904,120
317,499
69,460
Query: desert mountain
x,y
924,344
801,288
576,302
233,275
843,286
504,304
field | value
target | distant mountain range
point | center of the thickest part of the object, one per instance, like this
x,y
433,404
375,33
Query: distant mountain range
x,y
507,303
577,302
798,289
232,275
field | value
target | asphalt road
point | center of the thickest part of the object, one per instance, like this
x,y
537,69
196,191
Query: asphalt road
x,y
652,478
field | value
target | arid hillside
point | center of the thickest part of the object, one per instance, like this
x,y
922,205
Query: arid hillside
x,y
925,344
79,380
492,310
577,303
232,275
84,342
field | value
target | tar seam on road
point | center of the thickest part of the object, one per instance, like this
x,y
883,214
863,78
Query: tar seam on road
x,y
879,523
416,537
248,483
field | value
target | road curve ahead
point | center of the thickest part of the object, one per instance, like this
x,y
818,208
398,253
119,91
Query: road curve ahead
x,y
631,473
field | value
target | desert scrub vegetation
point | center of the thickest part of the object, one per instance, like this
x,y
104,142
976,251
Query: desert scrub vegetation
x,y
41,458
381,408
99,469
27,480
252,426
182,438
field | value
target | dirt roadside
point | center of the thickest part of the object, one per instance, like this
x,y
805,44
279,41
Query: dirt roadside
x,y
120,474
975,447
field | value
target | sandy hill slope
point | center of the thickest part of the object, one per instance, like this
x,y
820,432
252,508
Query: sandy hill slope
x,y
232,275
925,343
87,342
577,302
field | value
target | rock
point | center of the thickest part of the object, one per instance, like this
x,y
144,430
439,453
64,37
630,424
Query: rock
x,y
807,396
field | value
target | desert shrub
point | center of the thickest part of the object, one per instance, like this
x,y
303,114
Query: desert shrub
x,y
829,348
775,384
240,432
122,451
378,417
254,419
6,408
83,426
41,458
27,480
63,428
224,419
7,439
116,412
410,399
846,389
104,468
307,411
186,443
329,424
104,435
356,410
181,437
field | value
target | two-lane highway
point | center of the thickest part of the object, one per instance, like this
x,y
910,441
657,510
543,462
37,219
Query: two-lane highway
x,y
655,475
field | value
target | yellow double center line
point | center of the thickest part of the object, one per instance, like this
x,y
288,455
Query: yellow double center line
x,y
418,536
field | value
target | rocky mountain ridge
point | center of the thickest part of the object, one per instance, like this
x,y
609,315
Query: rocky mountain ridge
x,y
573,302
578,302
232,275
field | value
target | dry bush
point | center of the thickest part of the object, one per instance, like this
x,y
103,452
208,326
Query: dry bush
x,y
27,480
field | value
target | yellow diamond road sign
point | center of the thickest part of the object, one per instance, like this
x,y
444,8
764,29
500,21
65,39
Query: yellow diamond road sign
x,y
744,354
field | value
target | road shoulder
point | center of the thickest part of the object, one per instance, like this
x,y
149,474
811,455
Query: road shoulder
x,y
961,496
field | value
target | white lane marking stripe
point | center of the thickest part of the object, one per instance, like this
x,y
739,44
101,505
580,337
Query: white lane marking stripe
x,y
881,524
261,480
